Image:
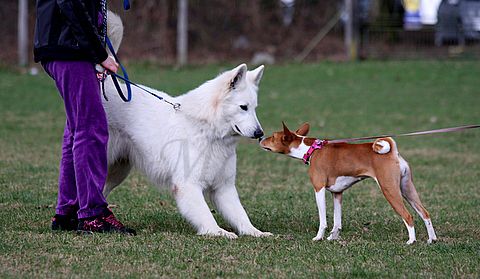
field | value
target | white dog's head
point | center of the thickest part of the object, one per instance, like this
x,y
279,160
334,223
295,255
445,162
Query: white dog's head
x,y
227,103
241,101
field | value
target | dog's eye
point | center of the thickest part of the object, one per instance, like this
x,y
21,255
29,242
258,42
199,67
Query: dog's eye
x,y
244,107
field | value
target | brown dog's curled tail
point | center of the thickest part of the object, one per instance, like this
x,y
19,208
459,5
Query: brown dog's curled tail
x,y
384,145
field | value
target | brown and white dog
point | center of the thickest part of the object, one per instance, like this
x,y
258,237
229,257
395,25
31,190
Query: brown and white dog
x,y
335,167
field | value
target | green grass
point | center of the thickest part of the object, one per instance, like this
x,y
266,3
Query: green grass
x,y
339,100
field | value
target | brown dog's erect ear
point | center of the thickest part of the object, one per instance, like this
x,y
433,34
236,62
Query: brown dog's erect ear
x,y
287,135
303,130
285,129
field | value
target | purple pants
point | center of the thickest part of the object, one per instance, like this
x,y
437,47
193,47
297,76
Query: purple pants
x,y
83,168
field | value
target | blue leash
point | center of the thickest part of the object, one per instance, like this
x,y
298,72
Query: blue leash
x,y
101,73
128,82
176,106
125,78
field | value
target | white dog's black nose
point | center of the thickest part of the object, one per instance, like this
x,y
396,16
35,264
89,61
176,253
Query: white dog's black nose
x,y
258,134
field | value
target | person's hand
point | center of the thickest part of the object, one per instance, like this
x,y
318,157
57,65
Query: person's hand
x,y
110,64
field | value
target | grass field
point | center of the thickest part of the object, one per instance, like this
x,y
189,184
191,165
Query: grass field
x,y
339,100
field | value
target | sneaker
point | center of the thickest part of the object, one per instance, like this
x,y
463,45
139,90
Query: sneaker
x,y
105,223
64,222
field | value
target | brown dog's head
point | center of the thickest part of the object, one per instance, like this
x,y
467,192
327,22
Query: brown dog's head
x,y
285,141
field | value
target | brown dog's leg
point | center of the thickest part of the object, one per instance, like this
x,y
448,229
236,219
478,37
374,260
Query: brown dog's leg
x,y
319,183
337,216
389,182
410,194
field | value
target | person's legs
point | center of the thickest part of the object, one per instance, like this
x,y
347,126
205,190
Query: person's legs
x,y
83,169
67,202
84,151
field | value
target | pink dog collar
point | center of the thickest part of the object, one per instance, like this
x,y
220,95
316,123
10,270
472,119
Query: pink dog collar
x,y
317,144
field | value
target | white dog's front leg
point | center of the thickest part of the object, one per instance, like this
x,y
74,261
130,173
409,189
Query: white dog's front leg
x,y
337,216
322,213
191,204
225,198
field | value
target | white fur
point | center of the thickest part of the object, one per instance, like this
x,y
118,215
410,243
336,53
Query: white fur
x,y
322,213
115,30
404,168
337,216
299,151
191,151
431,232
342,183
411,233
385,147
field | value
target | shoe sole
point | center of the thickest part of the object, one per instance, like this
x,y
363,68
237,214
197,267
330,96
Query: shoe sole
x,y
83,232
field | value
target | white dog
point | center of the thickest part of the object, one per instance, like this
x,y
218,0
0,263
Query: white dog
x,y
192,151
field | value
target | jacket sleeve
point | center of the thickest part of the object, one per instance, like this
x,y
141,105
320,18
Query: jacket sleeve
x,y
83,28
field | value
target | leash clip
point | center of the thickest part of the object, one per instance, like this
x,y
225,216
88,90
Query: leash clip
x,y
176,106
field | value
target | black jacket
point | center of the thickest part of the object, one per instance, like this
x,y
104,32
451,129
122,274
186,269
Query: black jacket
x,y
67,30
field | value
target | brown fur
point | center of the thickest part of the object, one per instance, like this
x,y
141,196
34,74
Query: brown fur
x,y
354,160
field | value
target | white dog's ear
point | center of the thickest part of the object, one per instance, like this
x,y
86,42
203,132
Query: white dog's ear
x,y
239,76
256,75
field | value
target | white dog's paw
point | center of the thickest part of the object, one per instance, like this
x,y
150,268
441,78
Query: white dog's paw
x,y
227,234
265,234
257,233
219,232
333,237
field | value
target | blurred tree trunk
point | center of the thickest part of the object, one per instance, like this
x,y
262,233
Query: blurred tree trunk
x,y
255,16
163,30
182,32
22,33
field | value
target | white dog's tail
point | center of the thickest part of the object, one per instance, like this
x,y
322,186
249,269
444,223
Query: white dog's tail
x,y
114,30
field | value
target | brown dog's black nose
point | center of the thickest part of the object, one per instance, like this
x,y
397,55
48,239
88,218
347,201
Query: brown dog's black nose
x,y
258,134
